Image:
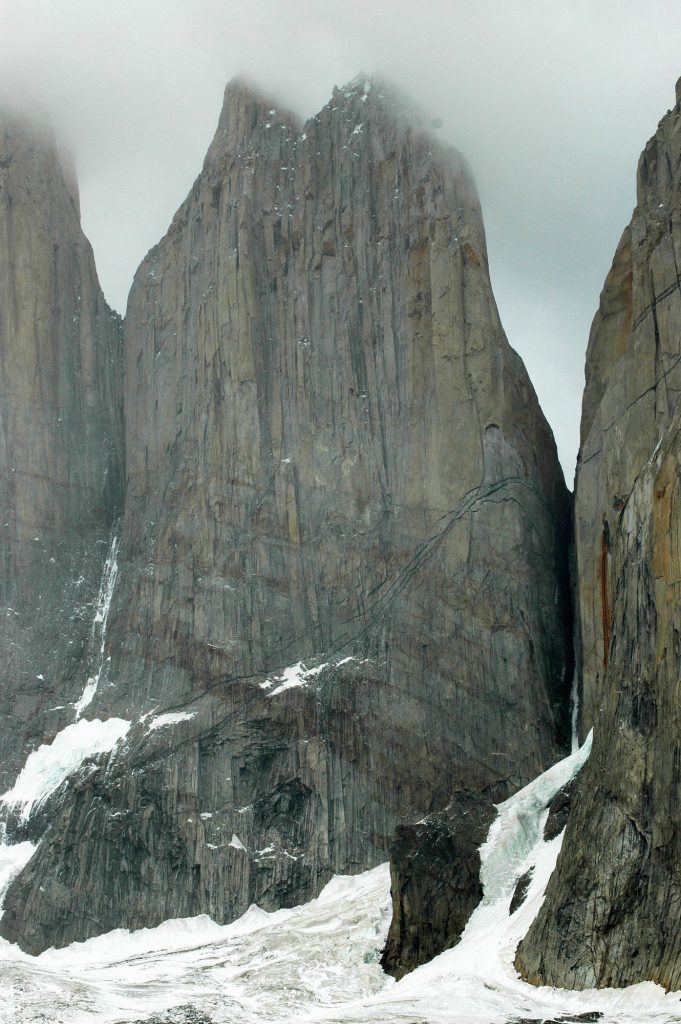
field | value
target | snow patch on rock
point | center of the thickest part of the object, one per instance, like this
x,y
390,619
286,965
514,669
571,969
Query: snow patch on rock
x,y
298,675
294,675
48,766
171,718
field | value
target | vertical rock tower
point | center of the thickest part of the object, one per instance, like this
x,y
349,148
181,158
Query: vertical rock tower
x,y
61,441
332,450
611,911
342,590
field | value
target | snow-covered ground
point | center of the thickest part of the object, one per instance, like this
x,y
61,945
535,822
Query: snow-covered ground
x,y
319,962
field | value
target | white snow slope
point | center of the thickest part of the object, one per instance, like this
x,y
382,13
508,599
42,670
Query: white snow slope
x,y
48,766
319,962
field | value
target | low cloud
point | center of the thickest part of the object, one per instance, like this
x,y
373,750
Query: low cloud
x,y
551,104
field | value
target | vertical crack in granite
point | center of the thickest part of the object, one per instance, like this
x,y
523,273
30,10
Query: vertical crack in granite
x,y
611,911
605,600
343,558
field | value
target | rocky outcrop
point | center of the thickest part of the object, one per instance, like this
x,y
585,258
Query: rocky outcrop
x,y
343,556
611,910
435,881
570,1018
522,887
559,812
61,442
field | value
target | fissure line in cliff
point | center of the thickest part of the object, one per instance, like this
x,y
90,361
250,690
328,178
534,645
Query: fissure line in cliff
x,y
650,308
620,416
605,604
373,613
471,503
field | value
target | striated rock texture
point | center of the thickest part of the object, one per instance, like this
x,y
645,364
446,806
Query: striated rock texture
x,y
611,911
61,441
633,380
343,557
435,881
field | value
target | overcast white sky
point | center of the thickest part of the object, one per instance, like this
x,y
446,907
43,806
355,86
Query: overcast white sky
x,y
550,100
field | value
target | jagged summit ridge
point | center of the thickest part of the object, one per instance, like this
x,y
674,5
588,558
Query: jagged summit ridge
x,y
247,110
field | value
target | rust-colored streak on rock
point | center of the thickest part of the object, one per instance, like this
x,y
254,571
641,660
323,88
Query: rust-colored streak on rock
x,y
610,916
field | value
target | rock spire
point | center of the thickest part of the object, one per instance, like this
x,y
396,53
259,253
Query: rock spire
x,y
342,589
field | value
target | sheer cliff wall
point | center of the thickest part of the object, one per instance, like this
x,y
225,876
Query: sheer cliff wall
x,y
611,910
61,442
343,557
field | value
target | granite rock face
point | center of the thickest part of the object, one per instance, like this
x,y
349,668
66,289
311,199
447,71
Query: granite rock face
x,y
61,442
343,555
435,881
559,812
633,381
611,911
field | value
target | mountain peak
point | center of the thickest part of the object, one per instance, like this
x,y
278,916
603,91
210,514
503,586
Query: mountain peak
x,y
243,88
374,92
245,108
27,141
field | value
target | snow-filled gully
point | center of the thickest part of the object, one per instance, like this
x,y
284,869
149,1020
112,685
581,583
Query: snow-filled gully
x,y
319,962
99,623
52,763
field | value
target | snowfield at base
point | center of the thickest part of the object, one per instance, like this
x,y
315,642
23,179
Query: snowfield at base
x,y
48,766
319,962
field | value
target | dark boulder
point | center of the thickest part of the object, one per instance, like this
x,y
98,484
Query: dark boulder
x,y
435,881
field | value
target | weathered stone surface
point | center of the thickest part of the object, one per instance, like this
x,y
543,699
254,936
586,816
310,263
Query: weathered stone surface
x,y
61,442
611,910
633,381
335,458
435,881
